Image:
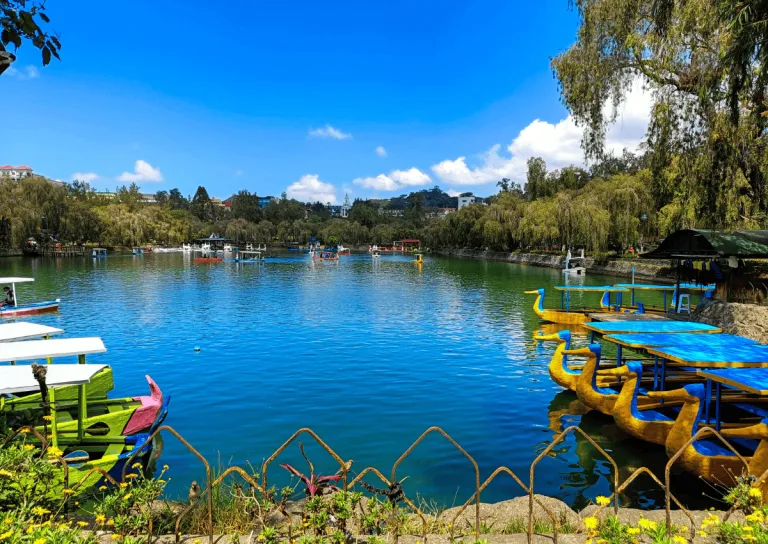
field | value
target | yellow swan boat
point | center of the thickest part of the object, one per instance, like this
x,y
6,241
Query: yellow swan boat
x,y
759,461
564,315
597,398
706,458
649,425
562,374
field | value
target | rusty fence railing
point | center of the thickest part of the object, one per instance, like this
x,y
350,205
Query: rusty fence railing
x,y
473,501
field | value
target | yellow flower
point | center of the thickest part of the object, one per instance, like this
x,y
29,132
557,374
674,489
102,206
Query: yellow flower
x,y
749,538
756,517
755,493
633,531
165,467
102,488
702,533
48,418
603,501
116,537
132,475
647,524
591,522
25,430
68,492
679,539
39,541
127,496
54,452
8,521
123,485
6,535
747,529
110,522
6,473
30,529
100,519
196,541
136,465
82,523
28,447
40,511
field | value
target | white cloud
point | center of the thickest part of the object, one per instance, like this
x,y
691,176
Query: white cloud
x,y
27,72
453,192
380,151
413,176
559,144
328,132
396,179
142,171
310,189
382,182
85,176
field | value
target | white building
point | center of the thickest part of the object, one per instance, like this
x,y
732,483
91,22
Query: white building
x,y
465,199
15,172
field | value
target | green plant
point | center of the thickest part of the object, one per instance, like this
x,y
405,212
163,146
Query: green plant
x,y
28,478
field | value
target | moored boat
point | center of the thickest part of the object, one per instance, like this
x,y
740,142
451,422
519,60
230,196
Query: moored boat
x,y
15,309
574,316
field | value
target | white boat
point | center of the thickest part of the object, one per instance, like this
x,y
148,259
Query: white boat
x,y
577,270
187,247
17,309
228,248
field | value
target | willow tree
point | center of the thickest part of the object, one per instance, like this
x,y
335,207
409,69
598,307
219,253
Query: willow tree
x,y
703,60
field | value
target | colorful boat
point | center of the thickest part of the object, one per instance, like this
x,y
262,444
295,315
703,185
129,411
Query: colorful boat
x,y
99,253
107,452
759,462
419,259
248,257
80,412
208,259
341,250
571,316
597,398
707,458
17,309
325,256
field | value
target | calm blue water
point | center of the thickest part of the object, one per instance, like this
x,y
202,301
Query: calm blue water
x,y
367,354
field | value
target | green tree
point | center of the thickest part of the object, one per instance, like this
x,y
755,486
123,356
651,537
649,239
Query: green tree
x,y
21,21
246,206
177,200
536,178
161,197
201,205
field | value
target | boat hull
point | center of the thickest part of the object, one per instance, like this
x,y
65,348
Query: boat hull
x,y
30,309
208,259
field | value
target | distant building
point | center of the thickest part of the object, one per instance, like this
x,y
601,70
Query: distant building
x,y
15,172
439,212
106,195
465,199
265,200
148,198
217,202
392,213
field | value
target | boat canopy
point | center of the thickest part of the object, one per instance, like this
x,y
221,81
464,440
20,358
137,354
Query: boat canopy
x,y
19,378
648,327
647,286
715,355
657,340
24,331
16,280
712,244
44,349
752,380
592,288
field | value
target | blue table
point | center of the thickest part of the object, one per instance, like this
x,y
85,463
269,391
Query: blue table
x,y
649,327
566,290
751,380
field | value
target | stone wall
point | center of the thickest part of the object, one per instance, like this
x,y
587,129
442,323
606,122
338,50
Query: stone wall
x,y
11,253
742,319
647,269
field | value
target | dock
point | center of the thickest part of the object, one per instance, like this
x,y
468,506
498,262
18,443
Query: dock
x,y
619,317
64,251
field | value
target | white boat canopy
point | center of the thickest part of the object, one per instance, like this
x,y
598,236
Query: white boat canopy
x,y
16,280
25,331
19,378
43,349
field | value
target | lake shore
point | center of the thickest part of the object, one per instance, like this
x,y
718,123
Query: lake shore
x,y
644,268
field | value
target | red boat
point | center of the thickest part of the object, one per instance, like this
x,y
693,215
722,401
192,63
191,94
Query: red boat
x,y
208,259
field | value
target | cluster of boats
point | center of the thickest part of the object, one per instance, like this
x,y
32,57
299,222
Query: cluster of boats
x,y
70,403
669,379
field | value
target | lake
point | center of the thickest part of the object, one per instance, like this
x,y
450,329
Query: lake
x,y
368,354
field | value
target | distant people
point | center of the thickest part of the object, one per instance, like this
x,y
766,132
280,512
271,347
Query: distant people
x,y
9,300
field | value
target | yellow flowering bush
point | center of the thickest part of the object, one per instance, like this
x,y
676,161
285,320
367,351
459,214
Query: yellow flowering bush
x,y
27,479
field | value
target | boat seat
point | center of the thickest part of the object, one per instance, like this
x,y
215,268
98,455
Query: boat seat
x,y
684,303
711,448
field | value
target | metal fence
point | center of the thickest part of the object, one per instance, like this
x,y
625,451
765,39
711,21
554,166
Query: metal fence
x,y
473,502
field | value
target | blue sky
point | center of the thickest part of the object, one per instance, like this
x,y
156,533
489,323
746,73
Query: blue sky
x,y
297,96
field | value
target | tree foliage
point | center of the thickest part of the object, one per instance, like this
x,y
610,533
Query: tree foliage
x,y
23,21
